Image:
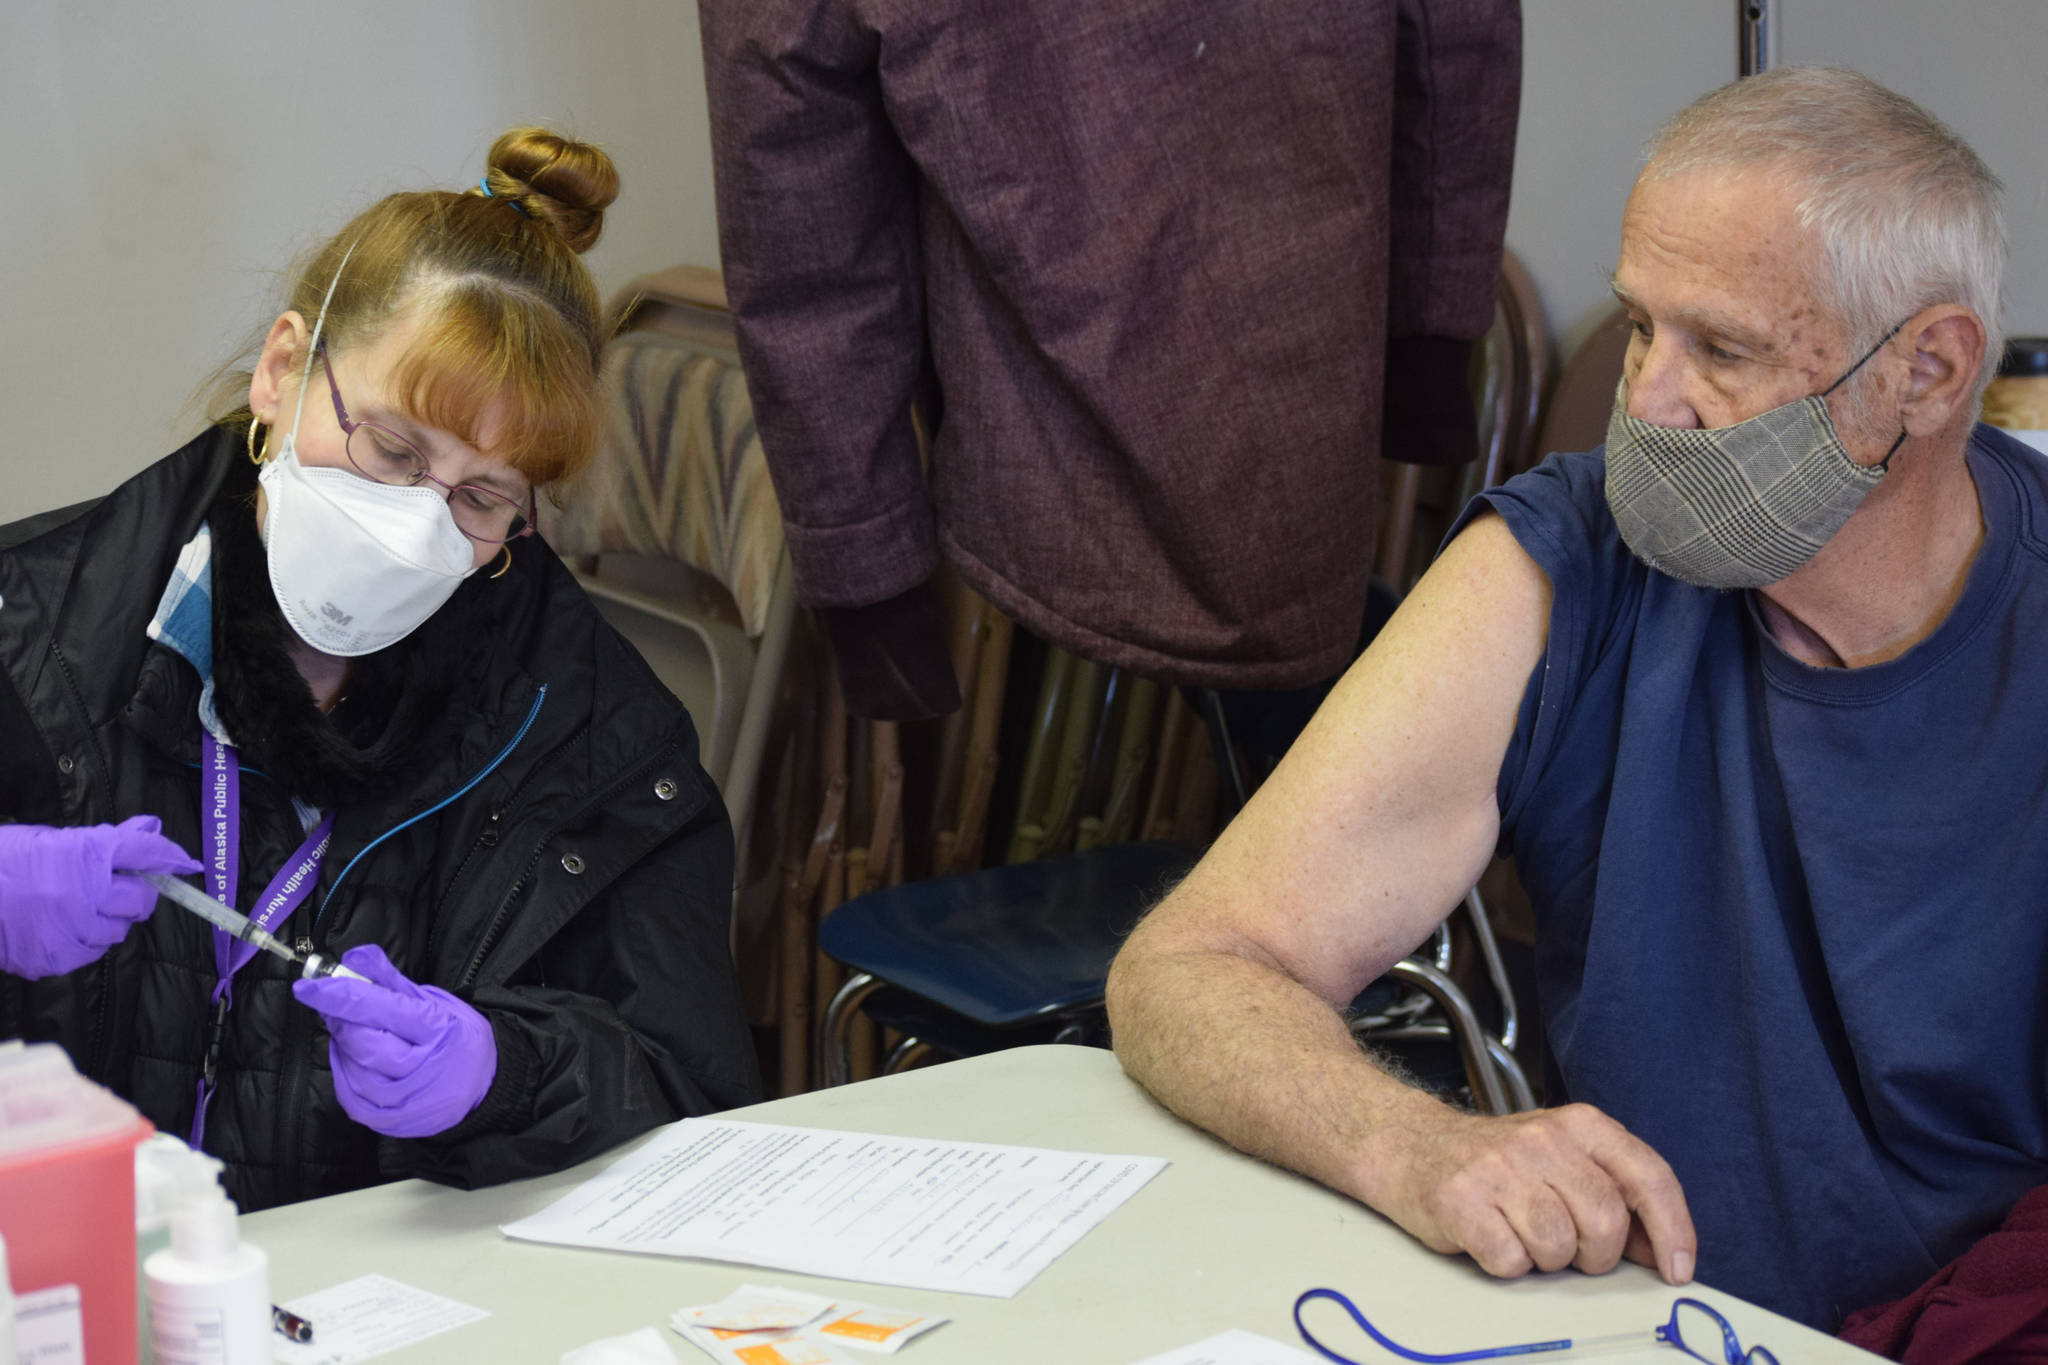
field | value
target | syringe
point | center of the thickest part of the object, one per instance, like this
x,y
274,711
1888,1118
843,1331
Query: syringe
x,y
242,927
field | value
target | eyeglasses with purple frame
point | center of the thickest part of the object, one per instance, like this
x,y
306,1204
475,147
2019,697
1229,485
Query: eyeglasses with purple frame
x,y
483,514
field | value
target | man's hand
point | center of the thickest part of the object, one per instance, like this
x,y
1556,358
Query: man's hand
x,y
1541,1191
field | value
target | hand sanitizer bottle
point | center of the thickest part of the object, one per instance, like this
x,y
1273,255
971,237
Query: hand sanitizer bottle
x,y
167,1174
209,1293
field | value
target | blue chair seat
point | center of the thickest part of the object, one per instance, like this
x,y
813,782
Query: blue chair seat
x,y
955,1035
1002,948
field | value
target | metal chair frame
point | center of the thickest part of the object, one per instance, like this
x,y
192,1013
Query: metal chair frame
x,y
1490,1064
835,1032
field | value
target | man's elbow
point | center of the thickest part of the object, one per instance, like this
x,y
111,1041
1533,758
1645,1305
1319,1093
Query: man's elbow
x,y
1162,963
1125,985
1141,971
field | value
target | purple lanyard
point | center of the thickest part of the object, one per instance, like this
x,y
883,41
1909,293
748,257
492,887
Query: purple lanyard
x,y
220,814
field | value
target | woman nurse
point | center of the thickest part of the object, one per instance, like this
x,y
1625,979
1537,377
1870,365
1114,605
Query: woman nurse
x,y
321,649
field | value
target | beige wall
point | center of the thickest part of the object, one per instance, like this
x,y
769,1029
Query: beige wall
x,y
1601,75
165,161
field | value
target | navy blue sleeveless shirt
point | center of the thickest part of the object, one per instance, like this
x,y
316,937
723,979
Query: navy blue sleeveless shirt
x,y
1792,922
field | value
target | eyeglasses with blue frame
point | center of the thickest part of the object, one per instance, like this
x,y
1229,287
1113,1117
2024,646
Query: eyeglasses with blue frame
x,y
1694,1327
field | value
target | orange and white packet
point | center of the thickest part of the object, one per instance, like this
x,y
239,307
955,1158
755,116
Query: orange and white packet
x,y
758,1308
758,1325
868,1328
728,1347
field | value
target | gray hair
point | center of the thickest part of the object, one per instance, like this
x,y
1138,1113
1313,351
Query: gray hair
x,y
1907,215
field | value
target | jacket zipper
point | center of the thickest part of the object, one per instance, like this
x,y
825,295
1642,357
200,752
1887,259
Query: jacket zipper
x,y
532,714
487,837
497,924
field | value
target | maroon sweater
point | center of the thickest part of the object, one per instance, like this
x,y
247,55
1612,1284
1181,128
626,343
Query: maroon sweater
x,y
1989,1306
1153,252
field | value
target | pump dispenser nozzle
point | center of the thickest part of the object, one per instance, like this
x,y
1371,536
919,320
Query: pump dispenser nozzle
x,y
209,1292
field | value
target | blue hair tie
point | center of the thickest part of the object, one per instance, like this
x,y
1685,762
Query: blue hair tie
x,y
485,185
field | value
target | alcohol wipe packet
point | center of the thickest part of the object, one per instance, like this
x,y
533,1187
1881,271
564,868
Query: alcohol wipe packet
x,y
869,1328
763,1325
756,1308
729,1347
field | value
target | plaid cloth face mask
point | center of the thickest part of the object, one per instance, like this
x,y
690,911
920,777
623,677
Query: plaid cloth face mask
x,y
1738,506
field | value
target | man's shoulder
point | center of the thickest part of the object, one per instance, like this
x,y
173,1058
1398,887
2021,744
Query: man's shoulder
x,y
1565,478
1558,513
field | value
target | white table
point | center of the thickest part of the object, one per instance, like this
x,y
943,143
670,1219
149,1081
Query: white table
x,y
1218,1240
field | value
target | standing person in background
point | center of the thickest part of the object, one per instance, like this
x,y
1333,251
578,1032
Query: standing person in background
x,y
1181,271
274,647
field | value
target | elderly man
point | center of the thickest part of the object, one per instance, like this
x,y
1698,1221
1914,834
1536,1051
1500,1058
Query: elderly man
x,y
1757,697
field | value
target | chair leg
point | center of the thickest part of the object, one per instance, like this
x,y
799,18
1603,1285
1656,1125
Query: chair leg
x,y
1501,1045
1399,527
963,613
906,1053
1480,1072
793,1012
990,686
1166,772
835,1034
1226,755
1496,970
1441,946
1519,1092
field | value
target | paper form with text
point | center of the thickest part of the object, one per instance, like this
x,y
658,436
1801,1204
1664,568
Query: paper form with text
x,y
924,1213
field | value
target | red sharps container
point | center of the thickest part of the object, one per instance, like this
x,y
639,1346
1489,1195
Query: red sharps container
x,y
67,1200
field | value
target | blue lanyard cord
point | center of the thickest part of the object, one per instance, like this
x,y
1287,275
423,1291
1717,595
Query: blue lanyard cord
x,y
1426,1357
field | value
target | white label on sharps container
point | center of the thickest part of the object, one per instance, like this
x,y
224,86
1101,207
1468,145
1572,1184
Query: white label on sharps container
x,y
187,1336
49,1329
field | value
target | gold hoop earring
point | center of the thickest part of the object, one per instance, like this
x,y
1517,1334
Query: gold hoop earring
x,y
254,458
507,548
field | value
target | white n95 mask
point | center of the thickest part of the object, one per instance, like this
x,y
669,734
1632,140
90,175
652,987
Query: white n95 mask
x,y
357,565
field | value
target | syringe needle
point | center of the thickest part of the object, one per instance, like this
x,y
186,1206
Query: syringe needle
x,y
239,925
213,912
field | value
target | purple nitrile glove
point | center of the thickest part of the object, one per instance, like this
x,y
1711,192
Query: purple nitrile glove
x,y
409,1060
63,897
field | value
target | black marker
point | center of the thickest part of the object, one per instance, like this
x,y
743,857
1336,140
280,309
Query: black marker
x,y
289,1325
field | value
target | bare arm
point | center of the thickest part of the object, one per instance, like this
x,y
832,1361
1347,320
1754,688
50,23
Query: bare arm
x,y
1225,1002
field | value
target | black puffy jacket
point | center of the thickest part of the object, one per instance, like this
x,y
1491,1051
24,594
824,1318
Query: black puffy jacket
x,y
561,862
